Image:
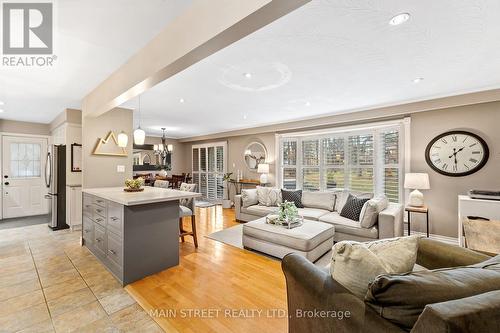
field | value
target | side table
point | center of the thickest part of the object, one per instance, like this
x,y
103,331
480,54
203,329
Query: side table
x,y
422,210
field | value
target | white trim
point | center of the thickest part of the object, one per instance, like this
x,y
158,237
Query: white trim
x,y
441,238
25,135
342,129
407,155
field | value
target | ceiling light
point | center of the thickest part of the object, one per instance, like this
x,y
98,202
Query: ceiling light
x,y
2,103
399,19
418,80
181,100
139,133
122,139
244,116
308,103
248,75
1,110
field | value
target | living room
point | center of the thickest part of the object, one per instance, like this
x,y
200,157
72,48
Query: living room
x,y
276,166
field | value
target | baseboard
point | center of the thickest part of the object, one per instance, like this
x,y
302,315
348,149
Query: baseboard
x,y
441,238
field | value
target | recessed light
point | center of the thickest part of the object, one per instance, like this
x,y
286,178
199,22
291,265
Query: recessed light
x,y
248,75
245,116
181,100
2,103
399,19
308,103
1,111
418,80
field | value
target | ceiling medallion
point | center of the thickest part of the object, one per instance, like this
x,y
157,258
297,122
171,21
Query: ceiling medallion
x,y
264,76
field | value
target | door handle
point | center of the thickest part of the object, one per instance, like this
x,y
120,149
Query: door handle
x,y
112,252
46,196
6,183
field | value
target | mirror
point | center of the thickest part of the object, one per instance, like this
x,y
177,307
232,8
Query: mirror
x,y
254,154
145,159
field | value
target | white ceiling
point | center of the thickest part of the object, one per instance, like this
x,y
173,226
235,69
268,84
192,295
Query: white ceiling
x,y
92,39
330,57
327,57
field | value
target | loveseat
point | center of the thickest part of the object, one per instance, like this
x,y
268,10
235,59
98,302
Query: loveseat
x,y
470,295
389,222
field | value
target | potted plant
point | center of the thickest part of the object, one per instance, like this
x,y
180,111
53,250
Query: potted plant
x,y
226,202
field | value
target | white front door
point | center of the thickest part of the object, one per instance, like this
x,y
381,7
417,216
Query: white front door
x,y
23,162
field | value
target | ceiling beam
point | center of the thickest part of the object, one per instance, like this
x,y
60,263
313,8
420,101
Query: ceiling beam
x,y
203,29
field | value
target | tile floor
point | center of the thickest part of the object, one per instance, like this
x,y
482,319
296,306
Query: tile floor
x,y
49,283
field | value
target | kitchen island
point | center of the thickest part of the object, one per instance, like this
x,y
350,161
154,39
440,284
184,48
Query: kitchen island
x,y
134,234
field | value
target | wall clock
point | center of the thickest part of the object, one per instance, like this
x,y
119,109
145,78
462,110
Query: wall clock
x,y
457,153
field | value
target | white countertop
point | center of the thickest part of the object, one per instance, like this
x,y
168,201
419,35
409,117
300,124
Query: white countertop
x,y
149,195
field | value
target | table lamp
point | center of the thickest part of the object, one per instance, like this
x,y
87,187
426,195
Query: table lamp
x,y
263,169
416,182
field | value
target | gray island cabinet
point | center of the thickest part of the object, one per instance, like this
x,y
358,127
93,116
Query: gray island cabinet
x,y
133,234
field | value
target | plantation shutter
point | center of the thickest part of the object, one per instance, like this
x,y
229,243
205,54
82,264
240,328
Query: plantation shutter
x,y
310,165
361,162
391,177
289,164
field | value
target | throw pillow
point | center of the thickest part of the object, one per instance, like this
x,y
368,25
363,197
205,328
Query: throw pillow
x,y
321,200
249,197
352,208
369,214
402,298
292,196
268,196
188,188
355,265
343,194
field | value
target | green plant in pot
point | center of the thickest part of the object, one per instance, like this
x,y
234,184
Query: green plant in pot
x,y
288,211
134,184
226,202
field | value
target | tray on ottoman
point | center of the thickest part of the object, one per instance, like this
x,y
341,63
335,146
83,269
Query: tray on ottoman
x,y
312,239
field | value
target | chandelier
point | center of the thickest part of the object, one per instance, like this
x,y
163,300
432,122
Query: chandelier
x,y
163,149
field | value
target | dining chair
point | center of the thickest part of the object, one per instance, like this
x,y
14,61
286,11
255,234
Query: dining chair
x,y
186,208
161,183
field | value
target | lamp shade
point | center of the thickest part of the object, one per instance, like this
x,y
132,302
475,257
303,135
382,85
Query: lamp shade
x,y
417,181
170,148
263,168
122,140
139,136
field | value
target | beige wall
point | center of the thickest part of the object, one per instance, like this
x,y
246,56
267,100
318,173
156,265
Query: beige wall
x,y
236,147
100,171
179,158
22,127
482,119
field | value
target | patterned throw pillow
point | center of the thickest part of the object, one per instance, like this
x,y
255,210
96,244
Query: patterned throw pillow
x,y
268,196
188,188
352,208
292,196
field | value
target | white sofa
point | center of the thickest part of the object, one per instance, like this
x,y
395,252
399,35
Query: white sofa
x,y
389,224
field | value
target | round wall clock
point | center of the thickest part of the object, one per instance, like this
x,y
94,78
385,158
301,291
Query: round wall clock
x,y
457,153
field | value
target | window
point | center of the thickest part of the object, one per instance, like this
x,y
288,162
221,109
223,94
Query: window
x,y
209,166
25,160
365,160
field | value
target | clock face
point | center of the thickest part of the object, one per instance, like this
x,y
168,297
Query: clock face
x,y
457,153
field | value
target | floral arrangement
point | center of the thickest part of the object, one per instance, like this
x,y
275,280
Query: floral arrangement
x,y
288,214
134,183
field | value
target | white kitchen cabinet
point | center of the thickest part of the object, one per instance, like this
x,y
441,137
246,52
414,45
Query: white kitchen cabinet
x,y
74,206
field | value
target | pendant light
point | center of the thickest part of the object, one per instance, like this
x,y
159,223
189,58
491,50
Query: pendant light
x,y
139,134
122,139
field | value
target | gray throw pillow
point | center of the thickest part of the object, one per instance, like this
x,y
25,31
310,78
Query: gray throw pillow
x,y
402,298
352,208
369,214
249,197
292,196
320,200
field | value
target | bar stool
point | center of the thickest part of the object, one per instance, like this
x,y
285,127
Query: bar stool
x,y
186,208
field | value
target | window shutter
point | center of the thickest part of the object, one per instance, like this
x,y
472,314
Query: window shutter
x,y
390,149
361,148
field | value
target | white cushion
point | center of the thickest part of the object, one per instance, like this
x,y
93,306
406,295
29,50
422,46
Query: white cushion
x,y
259,210
249,197
312,213
321,200
268,196
188,188
184,211
371,209
347,226
355,265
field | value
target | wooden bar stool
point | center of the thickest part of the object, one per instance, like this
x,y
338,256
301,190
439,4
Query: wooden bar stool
x,y
186,208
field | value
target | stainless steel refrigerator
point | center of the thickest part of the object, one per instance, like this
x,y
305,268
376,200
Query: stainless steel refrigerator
x,y
55,180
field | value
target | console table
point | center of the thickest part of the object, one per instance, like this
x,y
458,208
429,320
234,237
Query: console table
x,y
467,206
238,184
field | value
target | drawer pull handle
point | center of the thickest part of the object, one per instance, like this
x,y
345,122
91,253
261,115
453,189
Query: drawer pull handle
x,y
87,230
99,201
99,210
114,218
87,206
98,239
112,252
99,220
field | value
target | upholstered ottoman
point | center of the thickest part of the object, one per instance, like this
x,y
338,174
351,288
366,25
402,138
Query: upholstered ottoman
x,y
311,240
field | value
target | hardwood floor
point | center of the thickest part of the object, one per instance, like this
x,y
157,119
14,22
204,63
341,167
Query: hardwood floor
x,y
217,287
